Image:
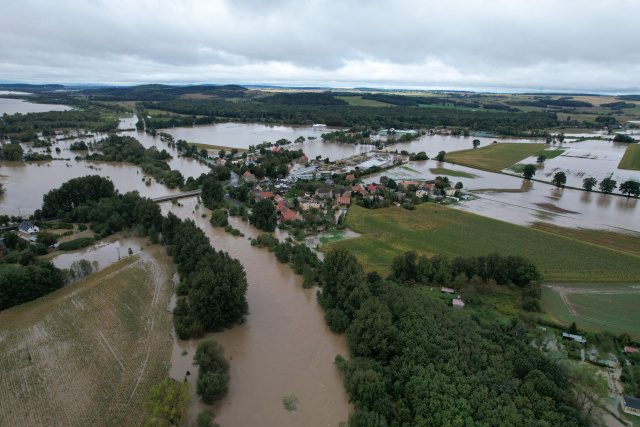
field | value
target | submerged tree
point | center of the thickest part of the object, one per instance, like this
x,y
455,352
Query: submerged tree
x,y
589,183
630,188
559,179
607,185
529,171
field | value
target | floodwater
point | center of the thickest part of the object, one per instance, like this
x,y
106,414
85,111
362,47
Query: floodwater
x,y
105,253
528,201
13,106
283,347
591,158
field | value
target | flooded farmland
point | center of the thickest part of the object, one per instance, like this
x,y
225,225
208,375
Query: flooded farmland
x,y
284,346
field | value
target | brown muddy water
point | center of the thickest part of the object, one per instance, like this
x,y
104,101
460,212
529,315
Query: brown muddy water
x,y
105,253
13,106
283,347
521,204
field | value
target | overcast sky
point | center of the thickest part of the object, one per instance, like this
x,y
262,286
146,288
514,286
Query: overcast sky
x,y
499,45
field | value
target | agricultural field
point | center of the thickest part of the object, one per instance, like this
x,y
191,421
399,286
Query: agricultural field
x,y
433,229
449,172
596,306
88,353
631,158
629,242
358,101
494,157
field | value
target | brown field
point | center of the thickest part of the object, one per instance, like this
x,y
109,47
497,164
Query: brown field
x,y
88,353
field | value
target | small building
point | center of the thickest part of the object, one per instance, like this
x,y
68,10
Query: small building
x,y
630,350
277,149
248,177
447,291
221,162
343,201
324,193
307,204
405,184
631,405
288,215
358,189
458,303
351,177
28,228
330,182
266,194
450,191
571,337
372,187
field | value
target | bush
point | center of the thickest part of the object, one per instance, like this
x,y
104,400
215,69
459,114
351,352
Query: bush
x,y
212,386
72,245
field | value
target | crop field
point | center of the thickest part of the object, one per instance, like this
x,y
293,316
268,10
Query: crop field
x,y
433,229
550,153
494,157
358,101
597,306
631,158
449,172
621,242
88,353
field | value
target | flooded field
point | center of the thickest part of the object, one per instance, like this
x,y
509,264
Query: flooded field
x,y
13,106
525,202
105,253
590,158
284,346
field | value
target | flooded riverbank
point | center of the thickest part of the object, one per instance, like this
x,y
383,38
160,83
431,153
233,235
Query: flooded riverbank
x,y
283,347
12,106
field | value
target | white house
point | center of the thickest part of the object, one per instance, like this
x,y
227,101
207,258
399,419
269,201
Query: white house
x,y
27,227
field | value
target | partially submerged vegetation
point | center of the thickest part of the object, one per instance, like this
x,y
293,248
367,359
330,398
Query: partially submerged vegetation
x,y
494,157
631,158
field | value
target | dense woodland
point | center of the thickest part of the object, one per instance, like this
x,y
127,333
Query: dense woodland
x,y
416,362
26,126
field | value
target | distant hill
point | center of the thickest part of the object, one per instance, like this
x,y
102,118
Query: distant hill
x,y
158,92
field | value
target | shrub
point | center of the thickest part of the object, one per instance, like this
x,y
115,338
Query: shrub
x,y
74,244
212,386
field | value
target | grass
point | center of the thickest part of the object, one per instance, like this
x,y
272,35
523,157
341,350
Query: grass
x,y
551,154
88,353
494,157
519,167
407,168
335,236
357,100
450,172
629,243
590,305
631,158
433,229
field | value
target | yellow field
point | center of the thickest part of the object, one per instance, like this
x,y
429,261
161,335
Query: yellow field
x,y
494,157
88,353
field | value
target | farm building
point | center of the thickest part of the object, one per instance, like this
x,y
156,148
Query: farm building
x,y
458,303
27,227
570,337
631,405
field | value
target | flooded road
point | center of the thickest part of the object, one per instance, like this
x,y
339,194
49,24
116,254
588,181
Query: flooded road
x,y
283,347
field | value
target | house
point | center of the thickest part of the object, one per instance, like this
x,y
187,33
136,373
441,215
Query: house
x,y
570,337
343,201
303,159
449,191
372,187
288,215
307,204
277,150
282,209
422,193
429,186
324,193
448,291
28,228
266,195
248,177
358,189
278,198
630,350
458,303
221,162
330,182
405,184
351,177
631,405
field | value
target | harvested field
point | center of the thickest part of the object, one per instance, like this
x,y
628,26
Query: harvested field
x,y
631,158
88,353
603,306
433,229
494,157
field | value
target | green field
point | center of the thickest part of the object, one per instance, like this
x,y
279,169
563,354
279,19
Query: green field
x,y
596,306
89,353
358,101
450,172
551,154
631,158
629,242
494,157
433,229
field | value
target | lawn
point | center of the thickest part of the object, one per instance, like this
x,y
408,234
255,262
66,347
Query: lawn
x,y
494,157
592,305
88,353
631,158
450,172
433,229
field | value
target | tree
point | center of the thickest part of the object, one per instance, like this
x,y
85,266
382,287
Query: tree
x,y
212,386
560,138
213,368
459,185
589,183
623,138
204,153
529,171
12,152
476,143
541,158
264,216
630,187
422,156
573,328
166,402
607,185
440,156
221,154
212,192
559,179
590,387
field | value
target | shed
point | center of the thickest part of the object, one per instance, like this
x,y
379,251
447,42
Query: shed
x,y
570,337
458,303
631,405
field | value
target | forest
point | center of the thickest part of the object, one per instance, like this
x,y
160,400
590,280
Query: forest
x,y
415,361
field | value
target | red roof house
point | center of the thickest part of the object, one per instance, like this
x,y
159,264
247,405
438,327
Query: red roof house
x,y
351,177
277,149
288,215
266,194
628,350
343,200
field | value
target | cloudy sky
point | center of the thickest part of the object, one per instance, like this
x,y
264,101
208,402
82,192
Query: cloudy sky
x,y
498,45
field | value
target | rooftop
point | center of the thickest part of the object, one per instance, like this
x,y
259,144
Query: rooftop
x,y
632,402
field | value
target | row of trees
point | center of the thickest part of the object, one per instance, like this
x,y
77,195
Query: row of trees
x,y
630,187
